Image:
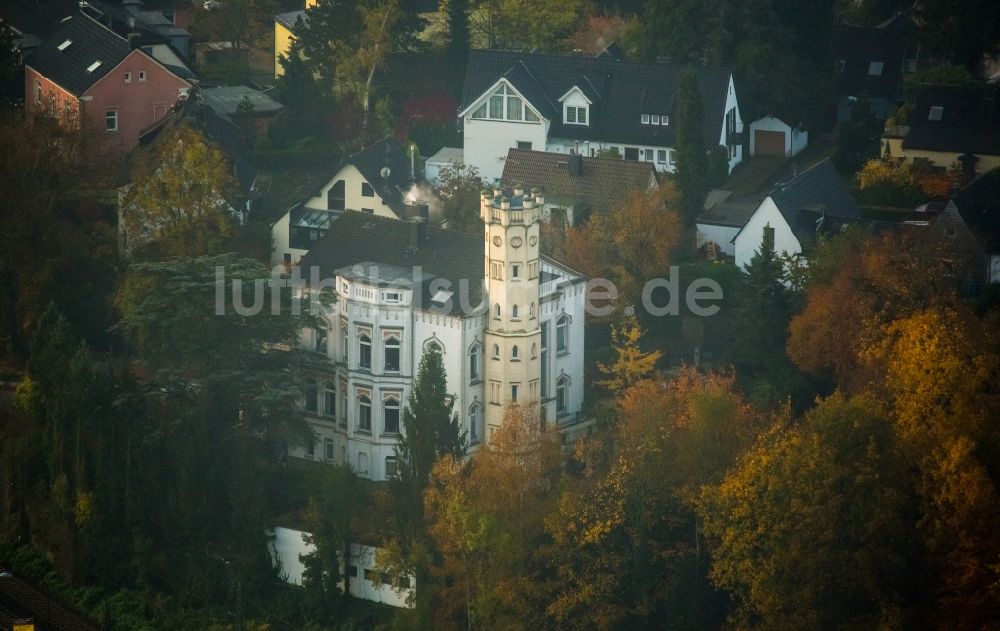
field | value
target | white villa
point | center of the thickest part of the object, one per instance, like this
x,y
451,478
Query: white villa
x,y
508,321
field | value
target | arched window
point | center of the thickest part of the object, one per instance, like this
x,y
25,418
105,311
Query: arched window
x,y
475,434
513,312
513,352
365,348
390,415
562,334
534,350
474,362
312,397
335,198
562,394
531,310
329,399
364,413
319,339
433,347
496,311
391,363
496,351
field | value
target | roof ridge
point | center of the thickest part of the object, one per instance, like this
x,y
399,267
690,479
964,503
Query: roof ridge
x,y
102,26
602,60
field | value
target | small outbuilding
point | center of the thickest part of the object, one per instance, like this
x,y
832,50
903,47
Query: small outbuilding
x,y
771,136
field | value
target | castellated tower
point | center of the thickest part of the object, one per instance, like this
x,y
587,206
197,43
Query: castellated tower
x,y
513,337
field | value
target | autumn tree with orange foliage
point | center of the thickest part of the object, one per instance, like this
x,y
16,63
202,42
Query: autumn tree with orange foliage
x,y
485,519
629,245
815,527
626,543
941,368
849,307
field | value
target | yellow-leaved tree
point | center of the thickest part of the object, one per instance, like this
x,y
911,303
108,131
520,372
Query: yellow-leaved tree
x,y
631,363
941,371
178,203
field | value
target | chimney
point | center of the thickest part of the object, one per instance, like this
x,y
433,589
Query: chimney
x,y
576,164
418,233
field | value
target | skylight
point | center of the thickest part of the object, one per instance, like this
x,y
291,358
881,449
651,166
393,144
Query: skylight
x,y
65,44
936,113
94,66
442,296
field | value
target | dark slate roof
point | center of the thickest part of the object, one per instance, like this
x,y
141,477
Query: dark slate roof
x,y
359,238
858,46
290,18
601,185
90,42
979,205
20,598
372,159
970,120
618,89
36,18
815,201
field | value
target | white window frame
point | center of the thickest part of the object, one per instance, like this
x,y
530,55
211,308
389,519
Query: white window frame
x,y
142,75
111,116
576,110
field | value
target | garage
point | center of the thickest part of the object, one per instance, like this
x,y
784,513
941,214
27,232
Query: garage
x,y
769,143
771,136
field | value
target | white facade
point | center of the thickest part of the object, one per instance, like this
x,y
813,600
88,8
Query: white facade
x,y
287,546
375,334
487,135
795,139
346,190
487,138
750,237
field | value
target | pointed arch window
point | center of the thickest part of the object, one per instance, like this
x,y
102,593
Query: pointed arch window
x,y
364,413
312,397
562,394
514,353
390,415
496,351
474,363
329,399
475,416
562,334
391,363
365,351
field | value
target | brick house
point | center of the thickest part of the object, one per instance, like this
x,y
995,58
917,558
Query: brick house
x,y
85,73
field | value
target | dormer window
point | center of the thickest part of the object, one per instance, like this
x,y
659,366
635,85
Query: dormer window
x,y
505,104
575,115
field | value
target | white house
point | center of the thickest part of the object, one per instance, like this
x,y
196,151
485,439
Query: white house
x,y
586,105
374,181
771,136
287,546
812,203
507,320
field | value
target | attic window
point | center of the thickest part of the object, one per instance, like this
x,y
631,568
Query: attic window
x,y
645,119
936,113
656,119
504,104
94,66
875,69
65,45
442,296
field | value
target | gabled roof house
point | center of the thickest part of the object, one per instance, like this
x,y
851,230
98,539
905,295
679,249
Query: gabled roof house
x,y
577,184
812,203
586,105
374,181
85,73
